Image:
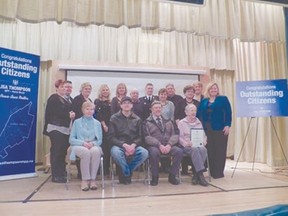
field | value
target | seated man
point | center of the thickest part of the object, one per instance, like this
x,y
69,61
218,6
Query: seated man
x,y
124,136
161,136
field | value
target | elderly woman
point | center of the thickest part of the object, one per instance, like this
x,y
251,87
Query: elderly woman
x,y
86,140
85,91
197,153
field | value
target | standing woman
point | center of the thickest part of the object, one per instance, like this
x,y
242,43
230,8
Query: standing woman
x,y
121,91
85,91
168,107
215,114
58,115
103,114
198,87
85,140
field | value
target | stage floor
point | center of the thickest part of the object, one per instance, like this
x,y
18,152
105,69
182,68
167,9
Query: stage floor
x,y
246,190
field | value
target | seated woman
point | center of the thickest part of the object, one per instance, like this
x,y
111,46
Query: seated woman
x,y
86,140
198,153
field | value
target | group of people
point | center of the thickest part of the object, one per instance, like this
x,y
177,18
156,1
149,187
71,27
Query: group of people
x,y
133,129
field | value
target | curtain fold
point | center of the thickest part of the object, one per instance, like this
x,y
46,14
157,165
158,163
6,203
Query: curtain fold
x,y
93,43
43,142
218,18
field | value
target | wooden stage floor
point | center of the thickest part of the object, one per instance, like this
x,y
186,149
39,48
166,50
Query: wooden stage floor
x,y
248,189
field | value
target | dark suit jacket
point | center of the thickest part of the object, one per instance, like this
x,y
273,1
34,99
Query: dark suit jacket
x,y
146,105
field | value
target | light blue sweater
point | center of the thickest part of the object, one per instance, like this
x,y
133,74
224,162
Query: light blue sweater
x,y
85,129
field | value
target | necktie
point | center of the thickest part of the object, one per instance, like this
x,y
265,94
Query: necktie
x,y
159,123
68,99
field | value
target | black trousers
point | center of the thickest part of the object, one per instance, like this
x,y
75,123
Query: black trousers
x,y
58,151
106,154
217,150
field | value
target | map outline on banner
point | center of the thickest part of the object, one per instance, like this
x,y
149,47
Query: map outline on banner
x,y
3,145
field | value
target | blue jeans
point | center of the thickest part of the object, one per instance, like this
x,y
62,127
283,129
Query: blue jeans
x,y
128,166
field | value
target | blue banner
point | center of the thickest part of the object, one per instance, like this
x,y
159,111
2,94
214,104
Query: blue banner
x,y
262,98
19,75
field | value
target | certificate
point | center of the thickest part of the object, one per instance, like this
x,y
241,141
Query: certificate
x,y
197,137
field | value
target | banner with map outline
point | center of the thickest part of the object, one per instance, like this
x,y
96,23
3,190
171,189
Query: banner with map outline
x,y
19,75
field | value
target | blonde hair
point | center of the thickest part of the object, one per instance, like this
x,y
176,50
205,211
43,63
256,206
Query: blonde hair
x,y
84,85
118,86
87,104
197,83
208,87
100,96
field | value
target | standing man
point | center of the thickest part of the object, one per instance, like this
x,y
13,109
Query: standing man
x,y
172,96
161,137
138,107
68,86
147,100
125,138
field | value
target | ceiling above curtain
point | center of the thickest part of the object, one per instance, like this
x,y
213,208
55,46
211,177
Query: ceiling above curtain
x,y
226,19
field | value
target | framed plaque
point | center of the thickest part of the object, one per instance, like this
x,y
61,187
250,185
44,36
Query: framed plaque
x,y
197,136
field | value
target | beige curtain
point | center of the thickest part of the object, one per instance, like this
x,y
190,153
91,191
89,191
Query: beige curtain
x,y
43,142
261,61
93,43
219,18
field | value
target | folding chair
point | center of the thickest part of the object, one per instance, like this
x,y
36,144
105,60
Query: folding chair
x,y
68,168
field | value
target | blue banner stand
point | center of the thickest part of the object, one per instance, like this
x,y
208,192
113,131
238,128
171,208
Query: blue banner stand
x,y
19,76
264,98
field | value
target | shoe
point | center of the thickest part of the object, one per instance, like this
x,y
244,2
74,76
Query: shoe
x,y
84,186
218,176
202,181
195,180
172,179
184,172
154,181
93,185
59,180
126,180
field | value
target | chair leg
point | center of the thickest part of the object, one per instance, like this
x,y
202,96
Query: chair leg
x,y
179,174
147,172
68,171
102,172
112,172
